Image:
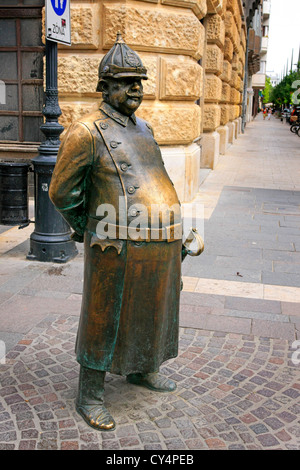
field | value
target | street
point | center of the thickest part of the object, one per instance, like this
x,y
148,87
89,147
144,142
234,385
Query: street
x,y
237,372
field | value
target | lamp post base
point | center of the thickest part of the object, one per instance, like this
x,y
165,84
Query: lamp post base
x,y
55,252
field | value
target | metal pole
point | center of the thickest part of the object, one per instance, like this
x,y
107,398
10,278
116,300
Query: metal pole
x,y
51,240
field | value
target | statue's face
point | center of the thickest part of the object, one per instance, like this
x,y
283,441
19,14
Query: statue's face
x,y
123,94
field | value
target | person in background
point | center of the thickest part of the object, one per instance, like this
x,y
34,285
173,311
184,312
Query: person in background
x,y
269,114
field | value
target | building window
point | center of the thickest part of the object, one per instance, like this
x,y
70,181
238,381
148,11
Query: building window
x,y
21,70
262,66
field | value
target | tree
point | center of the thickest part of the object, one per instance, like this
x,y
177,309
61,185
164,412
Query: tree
x,y
267,91
285,92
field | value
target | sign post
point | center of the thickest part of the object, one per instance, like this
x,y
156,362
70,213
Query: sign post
x,y
51,240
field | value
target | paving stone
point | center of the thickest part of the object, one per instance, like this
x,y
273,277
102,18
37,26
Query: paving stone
x,y
267,440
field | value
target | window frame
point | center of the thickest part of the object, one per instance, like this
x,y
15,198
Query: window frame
x,y
18,13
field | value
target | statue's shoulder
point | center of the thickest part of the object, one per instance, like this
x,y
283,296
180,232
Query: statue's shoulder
x,y
89,120
141,122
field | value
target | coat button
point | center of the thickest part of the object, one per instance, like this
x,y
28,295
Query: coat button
x,y
124,166
103,125
114,144
133,212
131,189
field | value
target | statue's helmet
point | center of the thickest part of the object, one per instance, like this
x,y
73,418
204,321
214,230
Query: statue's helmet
x,y
120,62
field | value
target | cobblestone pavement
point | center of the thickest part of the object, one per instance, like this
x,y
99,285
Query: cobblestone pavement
x,y
238,381
234,392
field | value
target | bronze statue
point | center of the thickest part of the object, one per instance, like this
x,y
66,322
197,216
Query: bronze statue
x,y
108,182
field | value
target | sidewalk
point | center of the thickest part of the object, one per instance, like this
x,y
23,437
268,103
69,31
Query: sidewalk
x,y
238,387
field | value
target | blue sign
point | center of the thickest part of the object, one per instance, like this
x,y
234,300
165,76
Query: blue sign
x,y
59,6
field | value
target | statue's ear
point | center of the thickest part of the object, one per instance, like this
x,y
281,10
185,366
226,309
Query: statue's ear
x,y
102,86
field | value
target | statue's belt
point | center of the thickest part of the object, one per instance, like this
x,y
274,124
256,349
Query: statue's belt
x,y
107,230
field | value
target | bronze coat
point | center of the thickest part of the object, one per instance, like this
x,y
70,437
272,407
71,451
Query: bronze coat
x,y
130,305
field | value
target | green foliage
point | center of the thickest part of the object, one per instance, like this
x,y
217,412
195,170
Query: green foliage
x,y
285,93
267,91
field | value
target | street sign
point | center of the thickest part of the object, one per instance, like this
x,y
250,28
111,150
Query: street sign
x,y
58,23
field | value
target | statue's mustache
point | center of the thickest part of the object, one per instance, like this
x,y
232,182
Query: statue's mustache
x,y
135,95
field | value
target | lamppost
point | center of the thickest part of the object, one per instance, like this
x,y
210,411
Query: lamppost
x,y
51,240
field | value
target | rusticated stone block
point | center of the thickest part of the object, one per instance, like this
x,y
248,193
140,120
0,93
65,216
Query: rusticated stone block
x,y
237,112
211,117
78,73
215,30
227,70
182,164
233,6
197,6
235,80
172,125
234,111
231,30
229,24
214,6
85,21
235,61
225,114
226,91
180,79
201,43
228,49
212,88
238,20
242,56
210,150
152,29
235,38
240,69
238,82
73,111
150,87
223,132
214,59
234,96
243,39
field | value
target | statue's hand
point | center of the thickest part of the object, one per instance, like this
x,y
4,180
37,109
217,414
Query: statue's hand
x,y
193,235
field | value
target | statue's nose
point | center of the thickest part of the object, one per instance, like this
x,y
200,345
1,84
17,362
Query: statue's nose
x,y
136,86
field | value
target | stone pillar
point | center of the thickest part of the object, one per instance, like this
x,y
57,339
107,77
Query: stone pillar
x,y
169,38
215,37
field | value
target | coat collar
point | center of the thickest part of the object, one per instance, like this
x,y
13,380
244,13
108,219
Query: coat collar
x,y
115,115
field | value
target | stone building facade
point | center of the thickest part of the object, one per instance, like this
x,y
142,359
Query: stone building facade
x,y
195,53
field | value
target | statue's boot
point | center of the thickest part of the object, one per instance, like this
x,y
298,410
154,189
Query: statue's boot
x,y
90,401
154,381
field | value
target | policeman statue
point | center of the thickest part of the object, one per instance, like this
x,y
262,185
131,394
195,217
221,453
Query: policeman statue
x,y
111,186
